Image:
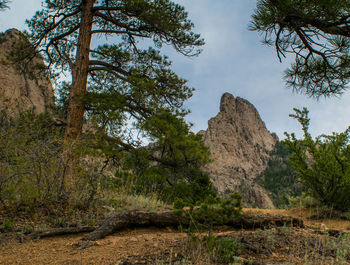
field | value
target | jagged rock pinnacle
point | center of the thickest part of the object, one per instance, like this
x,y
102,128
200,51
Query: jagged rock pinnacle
x,y
239,144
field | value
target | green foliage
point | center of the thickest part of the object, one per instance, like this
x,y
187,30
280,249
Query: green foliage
x,y
303,201
316,32
225,249
4,4
163,22
130,106
7,226
212,212
171,165
29,160
203,217
323,164
279,178
32,168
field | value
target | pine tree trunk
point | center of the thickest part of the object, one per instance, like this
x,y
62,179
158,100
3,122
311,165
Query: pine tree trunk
x,y
76,109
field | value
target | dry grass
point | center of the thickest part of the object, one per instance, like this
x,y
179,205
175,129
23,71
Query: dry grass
x,y
125,201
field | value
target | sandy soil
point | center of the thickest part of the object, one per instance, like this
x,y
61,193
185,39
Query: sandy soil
x,y
148,246
115,249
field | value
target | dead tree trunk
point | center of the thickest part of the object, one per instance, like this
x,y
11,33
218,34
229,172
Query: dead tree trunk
x,y
61,231
127,219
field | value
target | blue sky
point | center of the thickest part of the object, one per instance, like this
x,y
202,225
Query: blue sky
x,y
233,60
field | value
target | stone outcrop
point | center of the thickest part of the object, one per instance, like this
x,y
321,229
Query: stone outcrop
x,y
19,91
239,144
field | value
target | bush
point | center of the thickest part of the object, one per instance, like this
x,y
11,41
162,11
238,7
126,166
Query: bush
x,y
323,164
30,164
212,212
226,249
32,167
303,201
203,217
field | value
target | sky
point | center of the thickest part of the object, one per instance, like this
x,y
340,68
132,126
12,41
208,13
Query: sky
x,y
233,60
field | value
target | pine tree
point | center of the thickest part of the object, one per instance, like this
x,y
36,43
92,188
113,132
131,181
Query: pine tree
x,y
317,33
114,78
4,4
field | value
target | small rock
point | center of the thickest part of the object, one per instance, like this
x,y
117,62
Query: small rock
x,y
323,227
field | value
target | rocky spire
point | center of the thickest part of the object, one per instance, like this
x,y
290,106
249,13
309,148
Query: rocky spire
x,y
239,144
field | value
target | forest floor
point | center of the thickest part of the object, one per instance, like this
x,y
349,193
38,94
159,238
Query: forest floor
x,y
284,245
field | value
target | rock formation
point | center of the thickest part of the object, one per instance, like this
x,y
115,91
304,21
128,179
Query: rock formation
x,y
19,91
239,144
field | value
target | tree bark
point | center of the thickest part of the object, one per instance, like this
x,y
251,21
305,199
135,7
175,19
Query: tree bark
x,y
128,219
76,108
61,231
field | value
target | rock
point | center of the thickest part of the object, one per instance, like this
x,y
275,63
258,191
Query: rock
x,y
239,145
323,227
19,91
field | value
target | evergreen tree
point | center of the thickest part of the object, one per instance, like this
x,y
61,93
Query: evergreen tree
x,y
171,165
317,33
117,81
3,4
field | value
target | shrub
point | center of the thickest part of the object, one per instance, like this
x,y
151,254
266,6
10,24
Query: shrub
x,y
32,167
202,217
323,164
212,212
225,249
30,164
303,201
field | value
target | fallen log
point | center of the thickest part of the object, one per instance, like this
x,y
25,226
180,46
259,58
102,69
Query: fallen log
x,y
133,219
254,220
61,231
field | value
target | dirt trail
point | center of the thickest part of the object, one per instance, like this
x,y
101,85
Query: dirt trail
x,y
139,246
114,249
303,213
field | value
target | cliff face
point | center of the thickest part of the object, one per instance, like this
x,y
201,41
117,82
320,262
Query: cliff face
x,y
239,144
18,91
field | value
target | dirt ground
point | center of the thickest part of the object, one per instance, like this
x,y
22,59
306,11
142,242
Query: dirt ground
x,y
115,249
310,245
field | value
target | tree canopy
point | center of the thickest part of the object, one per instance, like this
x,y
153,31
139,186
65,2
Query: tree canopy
x,y
3,4
317,33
